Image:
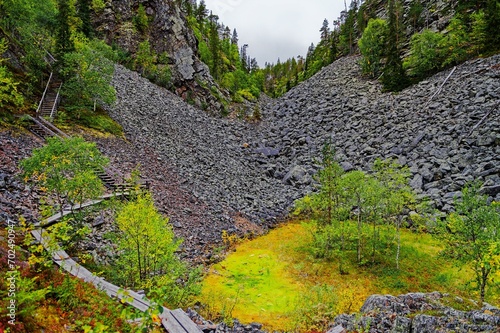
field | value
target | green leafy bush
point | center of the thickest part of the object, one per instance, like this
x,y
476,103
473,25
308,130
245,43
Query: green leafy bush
x,y
88,72
8,87
148,245
372,47
425,54
65,169
141,20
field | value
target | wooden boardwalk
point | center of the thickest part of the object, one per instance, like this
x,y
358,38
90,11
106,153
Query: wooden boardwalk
x,y
174,321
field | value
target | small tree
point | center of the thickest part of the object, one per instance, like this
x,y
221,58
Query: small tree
x,y
66,168
88,74
397,194
472,235
147,258
146,239
372,47
141,21
328,197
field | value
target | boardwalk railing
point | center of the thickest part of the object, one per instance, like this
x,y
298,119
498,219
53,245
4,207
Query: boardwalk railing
x,y
174,321
43,95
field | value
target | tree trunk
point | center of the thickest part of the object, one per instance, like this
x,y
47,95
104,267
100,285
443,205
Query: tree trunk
x,y
398,226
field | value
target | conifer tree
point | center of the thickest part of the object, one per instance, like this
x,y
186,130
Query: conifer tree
x,y
243,55
394,77
234,38
64,43
325,30
348,30
333,47
215,47
201,12
492,18
84,15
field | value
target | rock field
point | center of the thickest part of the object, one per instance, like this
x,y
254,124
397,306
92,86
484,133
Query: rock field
x,y
446,131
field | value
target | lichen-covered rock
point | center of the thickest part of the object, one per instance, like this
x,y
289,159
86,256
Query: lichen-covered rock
x,y
421,313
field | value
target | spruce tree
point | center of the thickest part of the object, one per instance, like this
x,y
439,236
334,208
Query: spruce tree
x,y
84,15
201,12
394,77
333,47
492,18
348,30
234,38
325,30
215,47
64,44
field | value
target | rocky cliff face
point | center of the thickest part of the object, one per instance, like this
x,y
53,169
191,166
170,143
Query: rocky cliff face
x,y
168,32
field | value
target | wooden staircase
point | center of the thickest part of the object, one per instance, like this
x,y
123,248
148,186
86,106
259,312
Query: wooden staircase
x,y
50,99
48,109
173,321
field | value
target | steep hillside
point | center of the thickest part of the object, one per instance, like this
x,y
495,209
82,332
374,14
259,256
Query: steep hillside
x,y
165,28
430,128
258,170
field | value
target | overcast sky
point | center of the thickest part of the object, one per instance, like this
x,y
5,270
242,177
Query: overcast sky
x,y
276,28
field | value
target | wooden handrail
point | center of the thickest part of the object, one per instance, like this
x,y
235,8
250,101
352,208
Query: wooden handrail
x,y
45,128
56,102
52,127
173,321
43,95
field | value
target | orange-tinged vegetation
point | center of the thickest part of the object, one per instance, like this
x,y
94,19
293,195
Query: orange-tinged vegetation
x,y
275,280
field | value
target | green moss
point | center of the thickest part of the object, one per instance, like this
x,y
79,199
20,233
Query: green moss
x,y
274,279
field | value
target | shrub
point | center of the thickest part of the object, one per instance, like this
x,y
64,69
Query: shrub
x,y
147,245
425,55
141,21
372,46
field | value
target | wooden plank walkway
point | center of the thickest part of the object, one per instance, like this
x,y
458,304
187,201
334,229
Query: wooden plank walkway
x,y
68,210
174,321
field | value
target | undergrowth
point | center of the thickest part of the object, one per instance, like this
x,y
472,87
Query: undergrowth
x,y
99,121
50,301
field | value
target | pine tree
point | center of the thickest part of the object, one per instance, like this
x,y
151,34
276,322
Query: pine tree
x,y
333,47
492,18
325,30
243,55
348,30
234,38
201,12
415,11
310,53
84,15
394,77
64,44
215,47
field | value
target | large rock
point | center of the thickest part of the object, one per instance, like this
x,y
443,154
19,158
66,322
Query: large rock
x,y
421,313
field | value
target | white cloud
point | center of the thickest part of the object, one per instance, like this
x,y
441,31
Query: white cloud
x,y
276,28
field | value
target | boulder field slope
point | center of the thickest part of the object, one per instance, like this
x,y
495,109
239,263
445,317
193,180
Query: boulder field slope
x,y
446,129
